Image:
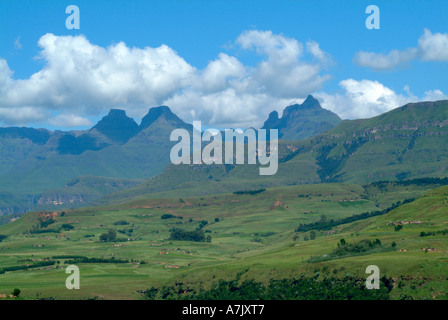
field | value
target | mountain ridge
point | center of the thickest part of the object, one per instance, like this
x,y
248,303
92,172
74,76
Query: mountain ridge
x,y
302,121
407,142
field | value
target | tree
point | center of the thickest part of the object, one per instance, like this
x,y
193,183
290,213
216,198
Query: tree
x,y
109,236
16,293
202,224
182,235
67,227
313,235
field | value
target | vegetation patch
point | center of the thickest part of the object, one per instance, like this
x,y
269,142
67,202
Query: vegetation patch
x,y
169,216
121,223
434,233
100,260
30,266
345,250
302,288
252,192
196,235
324,224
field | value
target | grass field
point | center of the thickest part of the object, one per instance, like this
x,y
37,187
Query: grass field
x,y
251,234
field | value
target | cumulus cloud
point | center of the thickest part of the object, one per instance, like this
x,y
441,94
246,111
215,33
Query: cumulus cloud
x,y
20,116
79,80
228,108
219,73
380,61
434,95
431,47
434,47
69,121
314,48
367,98
85,79
284,72
232,94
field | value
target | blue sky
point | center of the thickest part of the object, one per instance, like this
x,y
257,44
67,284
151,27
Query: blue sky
x,y
357,59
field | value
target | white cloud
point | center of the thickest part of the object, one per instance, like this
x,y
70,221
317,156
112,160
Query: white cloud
x,y
69,121
314,48
434,46
228,108
20,116
86,79
230,94
434,95
80,79
219,73
366,98
284,73
380,61
431,47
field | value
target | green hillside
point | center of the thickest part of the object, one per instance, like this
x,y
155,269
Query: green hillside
x,y
35,167
406,143
251,234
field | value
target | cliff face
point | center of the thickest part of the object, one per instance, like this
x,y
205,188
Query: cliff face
x,y
61,199
13,210
407,142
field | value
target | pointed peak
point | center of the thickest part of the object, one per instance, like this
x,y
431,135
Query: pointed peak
x,y
157,112
272,120
310,103
309,99
117,126
273,115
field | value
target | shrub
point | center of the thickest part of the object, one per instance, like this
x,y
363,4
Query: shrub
x,y
182,235
120,223
109,236
67,227
16,292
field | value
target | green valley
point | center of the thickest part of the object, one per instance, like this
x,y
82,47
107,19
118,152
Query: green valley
x,y
252,236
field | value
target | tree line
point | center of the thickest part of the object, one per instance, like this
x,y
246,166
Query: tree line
x,y
24,267
324,224
301,288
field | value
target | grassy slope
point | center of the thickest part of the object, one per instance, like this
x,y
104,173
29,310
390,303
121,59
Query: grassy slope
x,y
239,242
405,143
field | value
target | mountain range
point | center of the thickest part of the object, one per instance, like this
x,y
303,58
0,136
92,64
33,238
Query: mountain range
x,y
302,121
117,158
